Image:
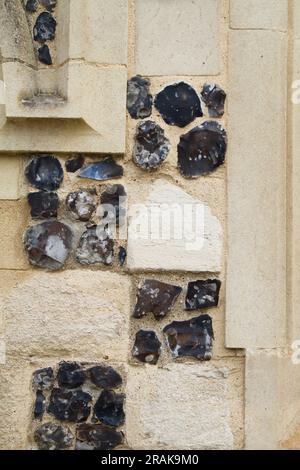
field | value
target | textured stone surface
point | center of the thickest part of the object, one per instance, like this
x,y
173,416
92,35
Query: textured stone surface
x,y
178,104
151,146
214,98
109,408
95,247
10,173
45,172
48,4
51,436
105,377
44,205
259,14
113,201
155,297
70,405
104,170
97,437
147,347
39,405
202,294
31,5
183,247
75,163
122,255
44,55
45,27
13,216
139,99
43,379
82,204
70,375
177,38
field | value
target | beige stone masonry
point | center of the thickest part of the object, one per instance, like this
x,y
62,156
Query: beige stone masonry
x,y
14,217
10,177
259,14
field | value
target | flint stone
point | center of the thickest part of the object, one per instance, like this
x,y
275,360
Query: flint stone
x,y
31,6
105,377
82,204
202,294
95,247
139,100
151,146
97,437
104,170
39,406
45,173
109,408
70,375
45,27
48,4
155,297
70,405
214,98
147,347
75,163
122,255
43,204
51,436
44,55
43,379
114,196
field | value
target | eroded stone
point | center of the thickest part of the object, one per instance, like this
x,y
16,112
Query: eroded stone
x,y
70,405
44,55
202,294
151,146
82,204
114,203
48,4
97,437
43,379
178,104
202,150
105,377
48,244
75,163
193,337
44,205
139,99
122,255
51,436
109,408
31,6
155,297
147,347
214,98
39,406
45,173
70,375
95,247
104,170
45,27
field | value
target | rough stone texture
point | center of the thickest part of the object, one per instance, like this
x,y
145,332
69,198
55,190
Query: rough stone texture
x,y
97,437
45,27
147,347
95,248
177,38
151,145
193,252
43,379
70,405
70,313
48,4
82,204
139,99
113,201
104,170
206,395
51,436
44,205
70,375
13,216
259,14
31,5
75,163
10,172
105,377
39,405
202,294
44,55
109,408
155,297
45,172
214,98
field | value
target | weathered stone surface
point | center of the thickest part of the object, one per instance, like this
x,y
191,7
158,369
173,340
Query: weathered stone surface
x,y
202,294
255,14
44,55
147,347
70,375
82,204
151,146
172,242
214,98
70,405
202,150
31,6
51,436
48,244
44,205
105,377
139,99
14,218
45,172
155,297
191,338
39,406
104,170
122,255
43,379
48,4
95,247
10,176
109,408
97,437
114,204
75,163
45,27
178,104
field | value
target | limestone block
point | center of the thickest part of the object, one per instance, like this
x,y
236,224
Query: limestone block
x,y
10,173
13,216
184,406
255,308
172,230
177,38
83,314
259,14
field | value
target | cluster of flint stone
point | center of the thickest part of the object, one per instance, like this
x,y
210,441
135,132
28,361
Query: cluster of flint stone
x,y
200,151
62,396
45,27
193,337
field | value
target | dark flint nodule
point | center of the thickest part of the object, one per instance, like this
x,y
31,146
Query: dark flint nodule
x,y
101,171
51,436
75,163
48,4
39,406
31,6
95,247
151,146
45,27
122,255
43,205
82,204
109,408
44,55
202,294
70,405
105,377
97,437
155,297
214,98
70,375
147,347
43,379
178,104
202,150
45,173
115,197
48,244
191,338
139,99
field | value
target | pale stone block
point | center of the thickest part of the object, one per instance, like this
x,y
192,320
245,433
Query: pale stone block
x,y
177,38
171,230
184,406
10,173
259,14
81,314
255,309
13,216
